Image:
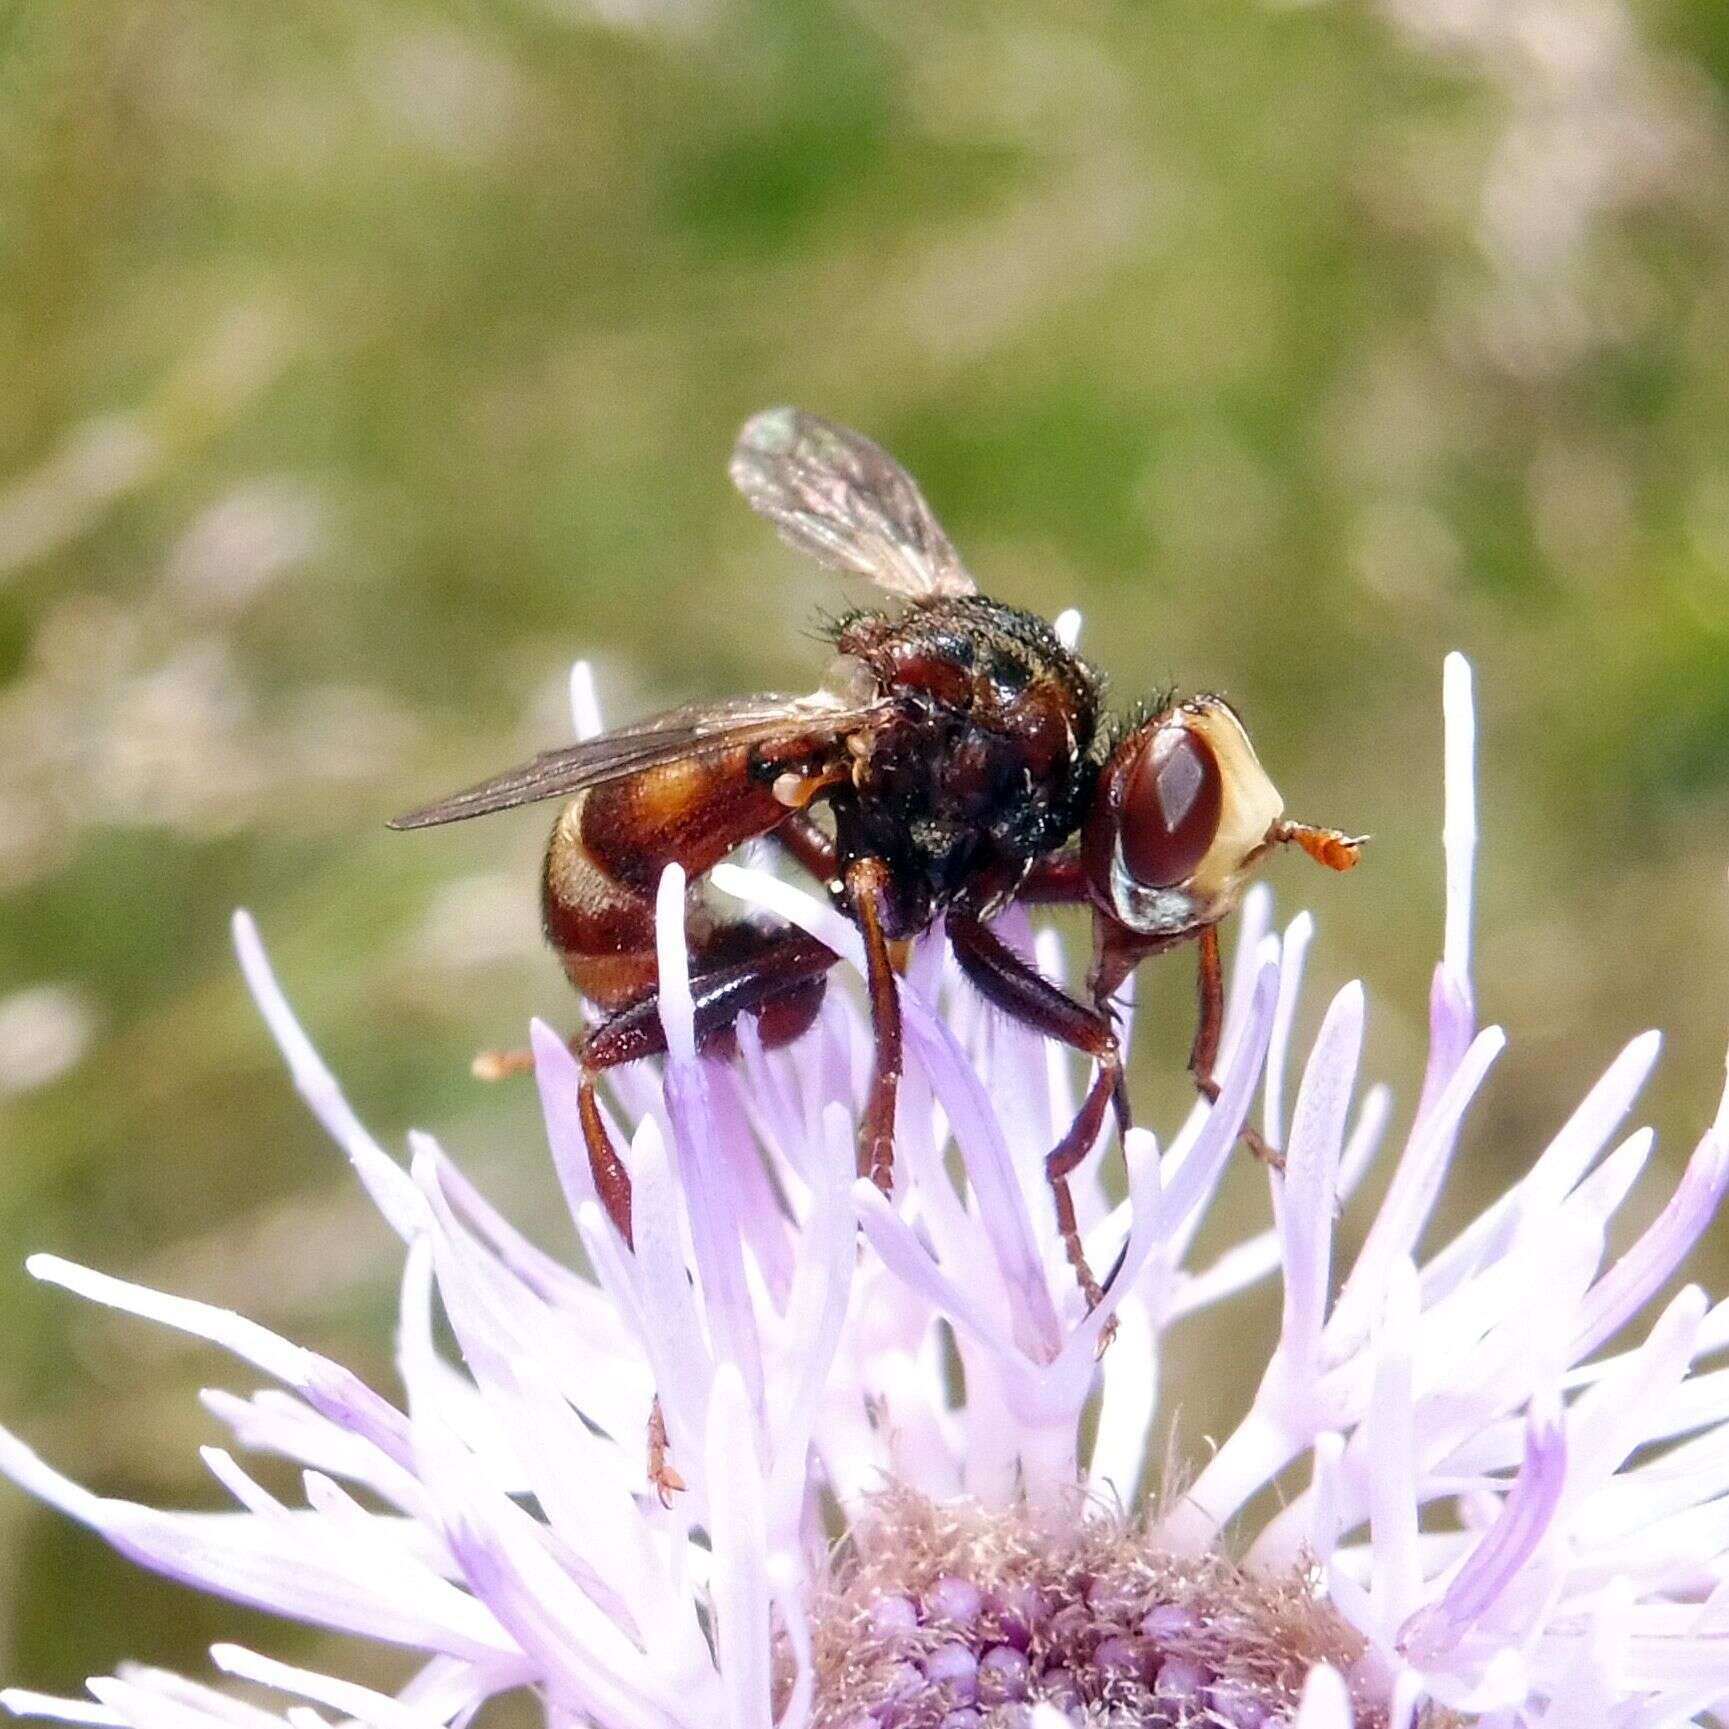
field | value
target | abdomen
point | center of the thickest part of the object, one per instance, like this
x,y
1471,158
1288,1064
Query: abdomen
x,y
609,848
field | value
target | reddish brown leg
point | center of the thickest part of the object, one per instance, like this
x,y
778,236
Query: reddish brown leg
x,y
613,1182
805,841
1061,1163
783,984
611,1179
1204,1053
1004,979
866,888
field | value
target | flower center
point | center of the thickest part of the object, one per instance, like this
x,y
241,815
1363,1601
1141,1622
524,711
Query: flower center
x,y
950,1618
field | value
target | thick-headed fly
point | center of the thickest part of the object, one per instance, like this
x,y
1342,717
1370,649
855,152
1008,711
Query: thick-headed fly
x,y
962,758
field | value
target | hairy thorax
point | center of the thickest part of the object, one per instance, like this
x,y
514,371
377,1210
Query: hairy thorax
x,y
981,764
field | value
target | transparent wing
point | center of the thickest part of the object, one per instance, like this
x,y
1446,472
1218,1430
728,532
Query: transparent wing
x,y
834,494
801,722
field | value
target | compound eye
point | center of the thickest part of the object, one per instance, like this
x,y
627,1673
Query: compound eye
x,y
1170,809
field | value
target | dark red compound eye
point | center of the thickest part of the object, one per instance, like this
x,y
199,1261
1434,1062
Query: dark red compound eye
x,y
1170,808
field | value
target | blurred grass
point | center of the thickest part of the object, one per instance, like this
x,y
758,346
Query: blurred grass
x,y
363,364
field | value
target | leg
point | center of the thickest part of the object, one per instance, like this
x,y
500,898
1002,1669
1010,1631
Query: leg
x,y
866,889
661,1473
1004,979
611,1179
1338,852
805,841
1204,1053
783,970
782,983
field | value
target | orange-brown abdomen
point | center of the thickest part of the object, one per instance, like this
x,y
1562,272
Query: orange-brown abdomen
x,y
609,847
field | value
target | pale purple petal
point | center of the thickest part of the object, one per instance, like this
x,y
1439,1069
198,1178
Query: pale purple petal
x,y
145,1704
1292,951
956,1084
714,1223
268,1564
21,1702
1258,1257
1125,1421
584,702
1411,1197
677,1012
1325,1702
384,1180
1311,1175
910,1262
333,1391
278,1422
1496,1561
581,1653
557,1076
671,1330
1201,1161
1459,820
816,1313
1001,1203
764,1224
361,1703
1642,1270
1394,1570
738,1531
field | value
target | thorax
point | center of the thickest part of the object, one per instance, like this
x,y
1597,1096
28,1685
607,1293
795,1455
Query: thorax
x,y
980,763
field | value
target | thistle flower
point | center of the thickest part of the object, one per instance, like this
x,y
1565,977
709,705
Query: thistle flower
x,y
1484,1514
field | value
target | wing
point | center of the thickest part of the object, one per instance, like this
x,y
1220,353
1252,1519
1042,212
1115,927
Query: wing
x,y
671,737
847,502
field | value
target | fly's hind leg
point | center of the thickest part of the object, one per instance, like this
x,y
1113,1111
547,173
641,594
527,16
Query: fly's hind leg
x,y
1204,1053
782,983
1020,990
779,976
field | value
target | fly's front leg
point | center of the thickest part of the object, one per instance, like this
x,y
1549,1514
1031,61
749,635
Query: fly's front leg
x,y
1020,990
866,891
1204,1053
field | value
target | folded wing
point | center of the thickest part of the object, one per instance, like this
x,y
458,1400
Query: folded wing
x,y
680,733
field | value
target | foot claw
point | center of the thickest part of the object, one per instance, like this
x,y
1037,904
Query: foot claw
x,y
876,1160
663,1476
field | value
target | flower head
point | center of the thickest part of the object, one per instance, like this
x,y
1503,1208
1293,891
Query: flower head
x,y
1484,1513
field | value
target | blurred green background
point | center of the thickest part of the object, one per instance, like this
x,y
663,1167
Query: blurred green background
x,y
363,364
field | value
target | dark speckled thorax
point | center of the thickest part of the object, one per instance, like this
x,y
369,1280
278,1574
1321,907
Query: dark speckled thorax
x,y
983,762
